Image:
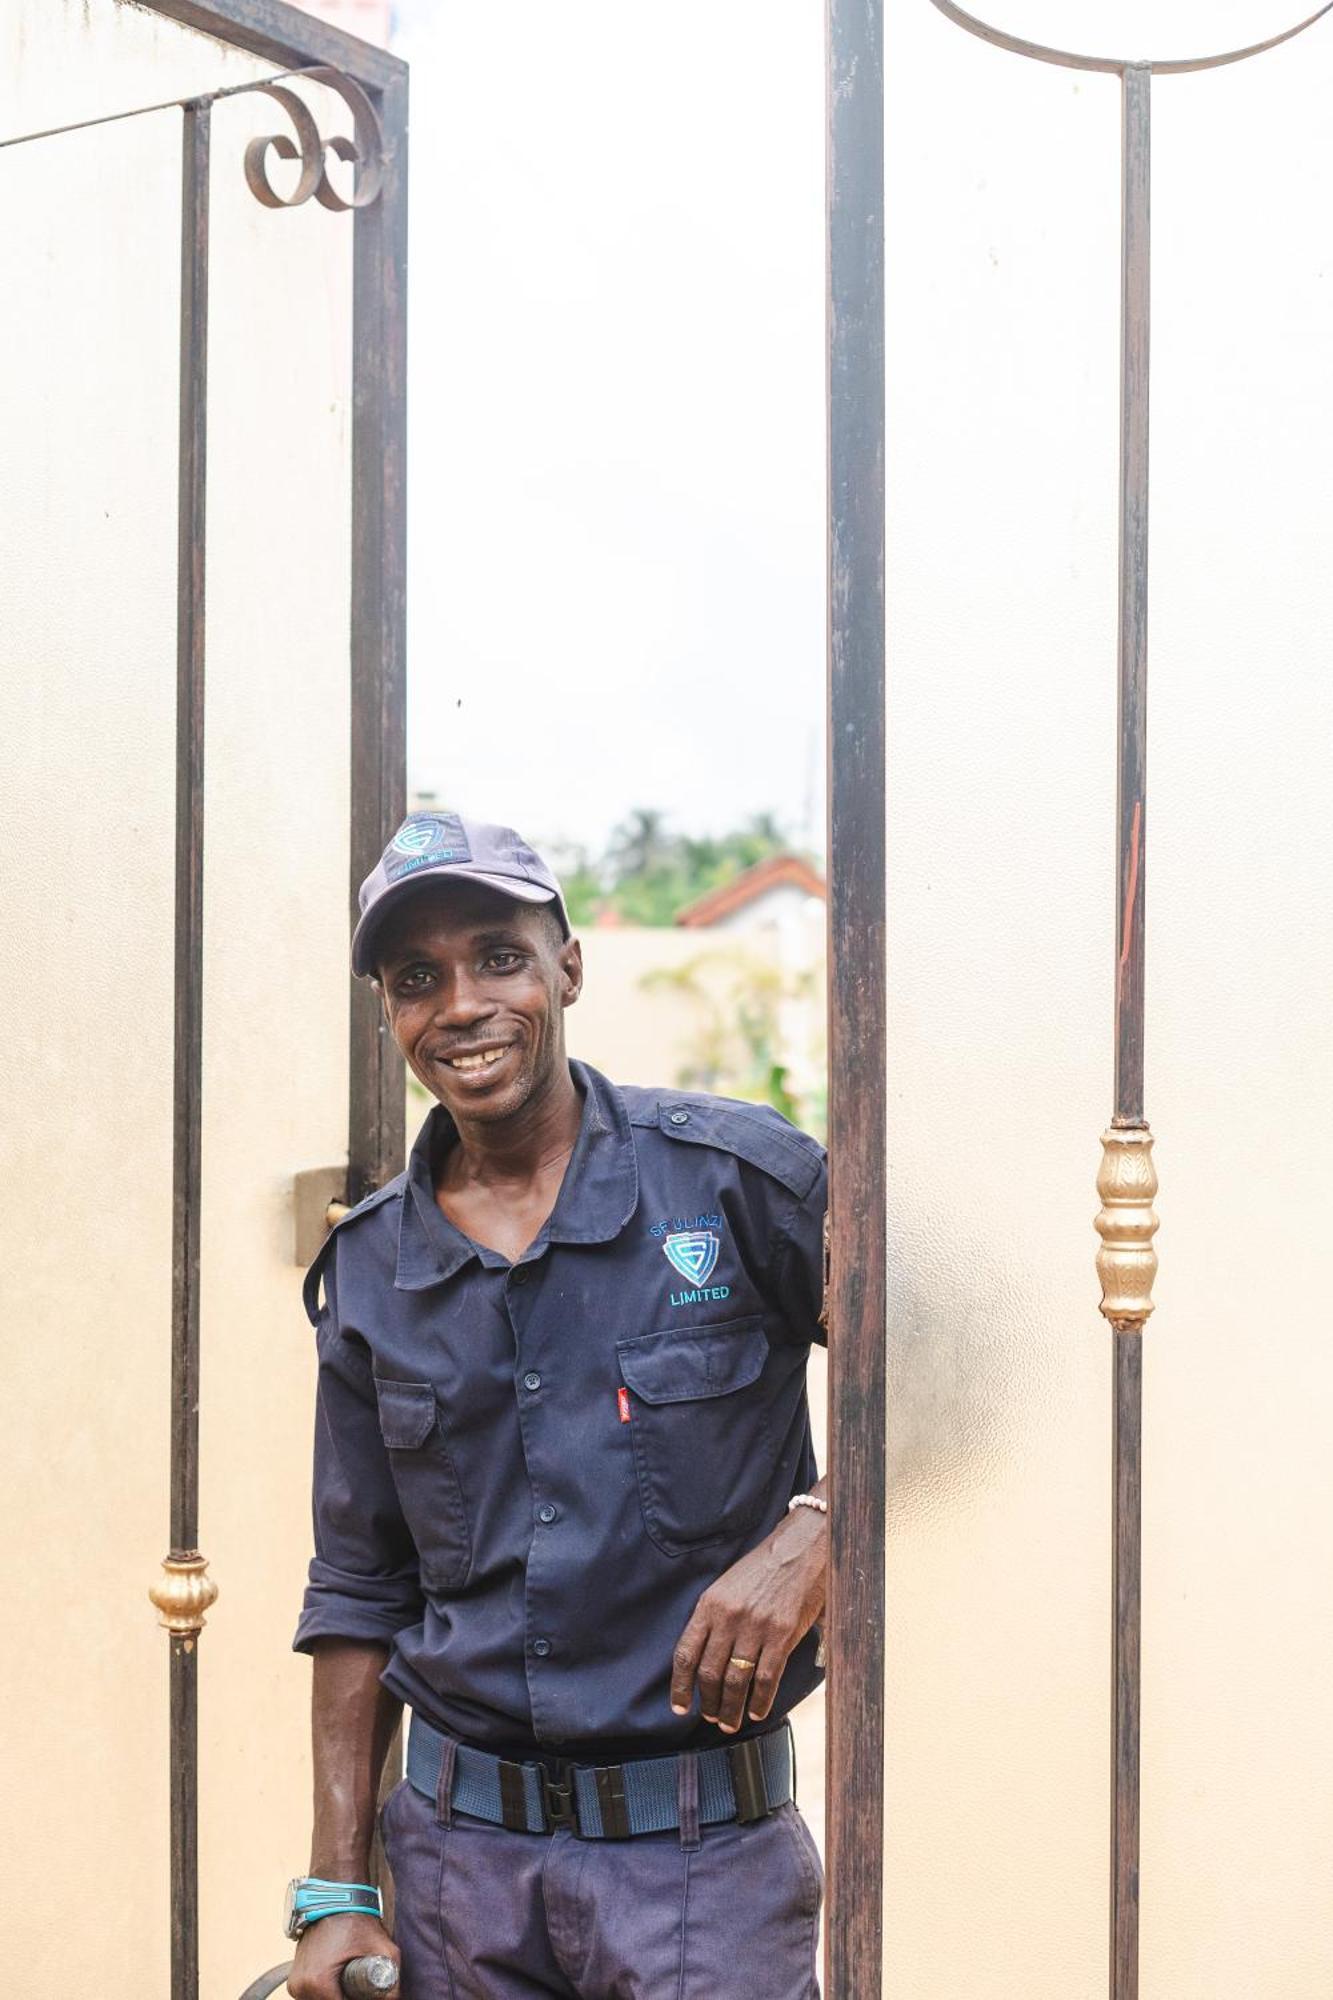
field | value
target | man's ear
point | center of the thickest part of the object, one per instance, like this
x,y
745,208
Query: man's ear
x,y
571,972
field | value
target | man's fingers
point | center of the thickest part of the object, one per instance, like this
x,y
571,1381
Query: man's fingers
x,y
713,1672
685,1660
764,1686
737,1677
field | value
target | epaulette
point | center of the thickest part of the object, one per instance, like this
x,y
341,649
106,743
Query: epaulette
x,y
753,1132
375,1199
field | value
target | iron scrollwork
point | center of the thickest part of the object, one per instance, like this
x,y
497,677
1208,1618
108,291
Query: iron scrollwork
x,y
364,153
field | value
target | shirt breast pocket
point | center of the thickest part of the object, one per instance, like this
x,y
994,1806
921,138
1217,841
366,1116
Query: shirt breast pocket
x,y
427,1481
700,1424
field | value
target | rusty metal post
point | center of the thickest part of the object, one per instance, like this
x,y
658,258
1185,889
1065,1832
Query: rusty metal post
x,y
1131,814
377,1112
857,1006
185,1593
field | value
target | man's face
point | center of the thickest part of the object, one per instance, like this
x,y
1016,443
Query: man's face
x,y
475,986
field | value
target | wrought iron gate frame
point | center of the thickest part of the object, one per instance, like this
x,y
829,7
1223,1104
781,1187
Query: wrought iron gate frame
x,y
1127,1182
294,40
291,40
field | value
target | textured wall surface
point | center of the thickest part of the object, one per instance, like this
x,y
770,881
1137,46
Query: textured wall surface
x,y
1238,1481
87,628
1003,294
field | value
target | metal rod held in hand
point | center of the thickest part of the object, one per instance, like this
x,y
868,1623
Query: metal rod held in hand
x,y
366,1977
362,1979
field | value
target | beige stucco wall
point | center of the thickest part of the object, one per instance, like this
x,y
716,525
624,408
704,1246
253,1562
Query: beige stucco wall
x,y
657,1002
87,632
1003,287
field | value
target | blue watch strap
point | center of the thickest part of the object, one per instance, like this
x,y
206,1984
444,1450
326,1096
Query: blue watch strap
x,y
311,1897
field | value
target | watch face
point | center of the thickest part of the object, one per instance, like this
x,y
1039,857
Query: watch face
x,y
291,1927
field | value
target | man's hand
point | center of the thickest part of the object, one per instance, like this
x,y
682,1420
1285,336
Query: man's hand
x,y
326,1947
758,1611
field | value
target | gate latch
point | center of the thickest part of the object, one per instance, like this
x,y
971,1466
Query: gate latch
x,y
319,1200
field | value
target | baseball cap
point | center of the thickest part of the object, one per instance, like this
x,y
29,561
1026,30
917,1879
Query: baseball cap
x,y
445,847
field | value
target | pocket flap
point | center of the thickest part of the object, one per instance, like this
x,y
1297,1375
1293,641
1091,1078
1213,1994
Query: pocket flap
x,y
407,1413
685,1364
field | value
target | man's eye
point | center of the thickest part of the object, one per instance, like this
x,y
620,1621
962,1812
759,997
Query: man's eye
x,y
505,961
414,982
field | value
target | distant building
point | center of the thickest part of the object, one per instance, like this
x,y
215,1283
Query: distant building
x,y
784,893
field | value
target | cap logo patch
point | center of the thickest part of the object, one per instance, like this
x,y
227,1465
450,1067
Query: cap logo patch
x,y
427,840
693,1252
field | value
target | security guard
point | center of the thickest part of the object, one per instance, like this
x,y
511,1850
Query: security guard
x,y
564,1492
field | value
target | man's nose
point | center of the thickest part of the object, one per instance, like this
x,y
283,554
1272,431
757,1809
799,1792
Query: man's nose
x,y
462,1000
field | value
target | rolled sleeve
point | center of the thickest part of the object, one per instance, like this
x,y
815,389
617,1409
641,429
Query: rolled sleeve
x,y
364,1580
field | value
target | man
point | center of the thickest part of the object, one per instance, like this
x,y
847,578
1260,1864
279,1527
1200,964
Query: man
x,y
564,1499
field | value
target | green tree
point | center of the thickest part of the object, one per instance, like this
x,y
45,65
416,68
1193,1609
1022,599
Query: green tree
x,y
648,873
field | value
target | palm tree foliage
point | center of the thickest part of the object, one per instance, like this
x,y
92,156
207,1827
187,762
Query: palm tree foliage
x,y
647,872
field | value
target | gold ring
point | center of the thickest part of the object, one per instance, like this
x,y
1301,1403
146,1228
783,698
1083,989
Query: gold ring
x,y
737,1661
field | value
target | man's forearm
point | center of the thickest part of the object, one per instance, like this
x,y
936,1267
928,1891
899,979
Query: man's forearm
x,y
352,1723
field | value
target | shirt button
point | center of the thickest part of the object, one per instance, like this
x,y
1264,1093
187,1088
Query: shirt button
x,y
520,1276
532,1380
680,1117
542,1648
548,1513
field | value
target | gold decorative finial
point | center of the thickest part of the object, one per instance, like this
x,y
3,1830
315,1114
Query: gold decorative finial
x,y
184,1595
1127,1262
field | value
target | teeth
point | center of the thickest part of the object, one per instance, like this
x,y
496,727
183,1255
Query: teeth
x,y
482,1061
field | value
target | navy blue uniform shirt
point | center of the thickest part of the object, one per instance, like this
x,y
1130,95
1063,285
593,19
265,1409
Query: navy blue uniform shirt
x,y
526,1475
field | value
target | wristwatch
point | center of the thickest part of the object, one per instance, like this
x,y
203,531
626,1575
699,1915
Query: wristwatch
x,y
310,1897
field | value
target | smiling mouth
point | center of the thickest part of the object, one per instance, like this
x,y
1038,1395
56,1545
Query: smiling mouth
x,y
484,1059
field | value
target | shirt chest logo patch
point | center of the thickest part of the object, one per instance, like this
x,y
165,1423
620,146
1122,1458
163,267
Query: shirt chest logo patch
x,y
694,1253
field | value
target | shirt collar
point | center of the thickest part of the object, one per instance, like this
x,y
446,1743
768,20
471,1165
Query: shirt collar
x,y
598,1195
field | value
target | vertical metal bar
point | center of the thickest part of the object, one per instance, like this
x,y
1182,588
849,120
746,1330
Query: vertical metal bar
x,y
1133,645
376,1099
855,193
1131,813
188,1033
378,619
1127,1443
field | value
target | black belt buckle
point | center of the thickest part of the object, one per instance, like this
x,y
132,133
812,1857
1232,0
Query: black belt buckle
x,y
747,1780
559,1798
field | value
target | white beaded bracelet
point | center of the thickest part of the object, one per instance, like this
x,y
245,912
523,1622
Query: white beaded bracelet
x,y
808,1500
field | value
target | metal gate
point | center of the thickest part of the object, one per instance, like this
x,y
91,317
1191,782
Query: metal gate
x,y
982,1386
281,276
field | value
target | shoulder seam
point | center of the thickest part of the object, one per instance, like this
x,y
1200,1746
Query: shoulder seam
x,y
792,1158
375,1199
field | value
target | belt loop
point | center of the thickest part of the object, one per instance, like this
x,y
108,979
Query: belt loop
x,y
687,1798
444,1802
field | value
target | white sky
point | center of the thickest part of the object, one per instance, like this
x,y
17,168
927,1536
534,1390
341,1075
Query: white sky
x,y
616,580
616,577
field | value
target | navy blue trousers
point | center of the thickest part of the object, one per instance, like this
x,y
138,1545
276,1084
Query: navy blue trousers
x,y
486,1914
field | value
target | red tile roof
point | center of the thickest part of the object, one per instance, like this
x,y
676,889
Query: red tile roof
x,y
776,872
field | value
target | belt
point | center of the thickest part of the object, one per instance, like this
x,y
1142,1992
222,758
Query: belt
x,y
736,1781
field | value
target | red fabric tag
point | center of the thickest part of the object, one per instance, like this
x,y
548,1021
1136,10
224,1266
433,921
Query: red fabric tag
x,y
622,1398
